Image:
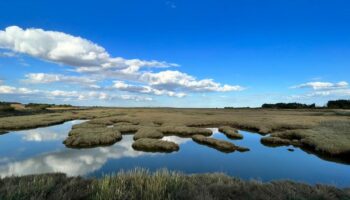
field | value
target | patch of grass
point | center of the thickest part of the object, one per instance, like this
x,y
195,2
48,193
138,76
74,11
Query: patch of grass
x,y
154,145
306,124
148,132
220,145
184,131
230,132
46,186
329,137
92,136
140,184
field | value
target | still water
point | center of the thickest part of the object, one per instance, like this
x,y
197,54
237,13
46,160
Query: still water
x,y
41,151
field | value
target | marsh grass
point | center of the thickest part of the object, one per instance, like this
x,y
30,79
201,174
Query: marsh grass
x,y
329,138
308,125
141,184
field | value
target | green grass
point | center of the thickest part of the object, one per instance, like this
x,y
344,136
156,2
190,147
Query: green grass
x,y
141,184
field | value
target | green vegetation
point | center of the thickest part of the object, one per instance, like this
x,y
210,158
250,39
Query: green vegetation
x,y
288,106
140,184
342,104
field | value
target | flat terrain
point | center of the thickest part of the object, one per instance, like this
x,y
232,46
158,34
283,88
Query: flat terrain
x,y
323,132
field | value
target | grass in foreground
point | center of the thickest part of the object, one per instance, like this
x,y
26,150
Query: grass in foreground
x,y
141,184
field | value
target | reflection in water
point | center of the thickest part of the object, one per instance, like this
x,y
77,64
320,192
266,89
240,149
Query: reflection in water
x,y
41,151
41,135
71,161
177,140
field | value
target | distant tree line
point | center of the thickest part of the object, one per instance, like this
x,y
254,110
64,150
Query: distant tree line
x,y
340,104
334,104
230,107
7,108
288,105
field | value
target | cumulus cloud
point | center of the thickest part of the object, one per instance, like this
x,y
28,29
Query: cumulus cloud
x,y
120,85
322,85
91,60
66,49
135,98
175,80
68,95
40,78
6,89
323,89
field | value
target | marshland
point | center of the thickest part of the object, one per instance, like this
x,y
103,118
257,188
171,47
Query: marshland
x,y
89,145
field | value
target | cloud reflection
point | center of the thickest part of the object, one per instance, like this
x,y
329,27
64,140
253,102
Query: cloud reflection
x,y
73,162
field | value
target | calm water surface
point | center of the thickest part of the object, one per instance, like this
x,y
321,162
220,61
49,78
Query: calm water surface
x,y
41,150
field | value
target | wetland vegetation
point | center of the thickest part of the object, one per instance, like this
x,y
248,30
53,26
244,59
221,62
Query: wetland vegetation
x,y
162,184
323,132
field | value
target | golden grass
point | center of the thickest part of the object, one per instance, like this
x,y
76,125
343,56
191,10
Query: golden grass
x,y
92,137
230,132
220,145
309,125
154,145
148,132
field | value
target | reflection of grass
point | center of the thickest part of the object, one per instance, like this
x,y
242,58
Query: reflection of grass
x,y
163,184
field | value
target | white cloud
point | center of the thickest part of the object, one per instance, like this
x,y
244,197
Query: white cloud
x,y
66,49
70,161
42,135
323,89
5,89
175,80
42,78
69,95
93,61
135,98
120,85
322,85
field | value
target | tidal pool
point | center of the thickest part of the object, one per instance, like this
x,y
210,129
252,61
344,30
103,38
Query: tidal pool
x,y
41,151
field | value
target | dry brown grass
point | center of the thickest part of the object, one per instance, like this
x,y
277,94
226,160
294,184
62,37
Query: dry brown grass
x,y
148,132
230,132
220,145
310,125
154,145
92,137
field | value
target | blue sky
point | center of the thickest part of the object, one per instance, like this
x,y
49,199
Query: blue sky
x,y
174,53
